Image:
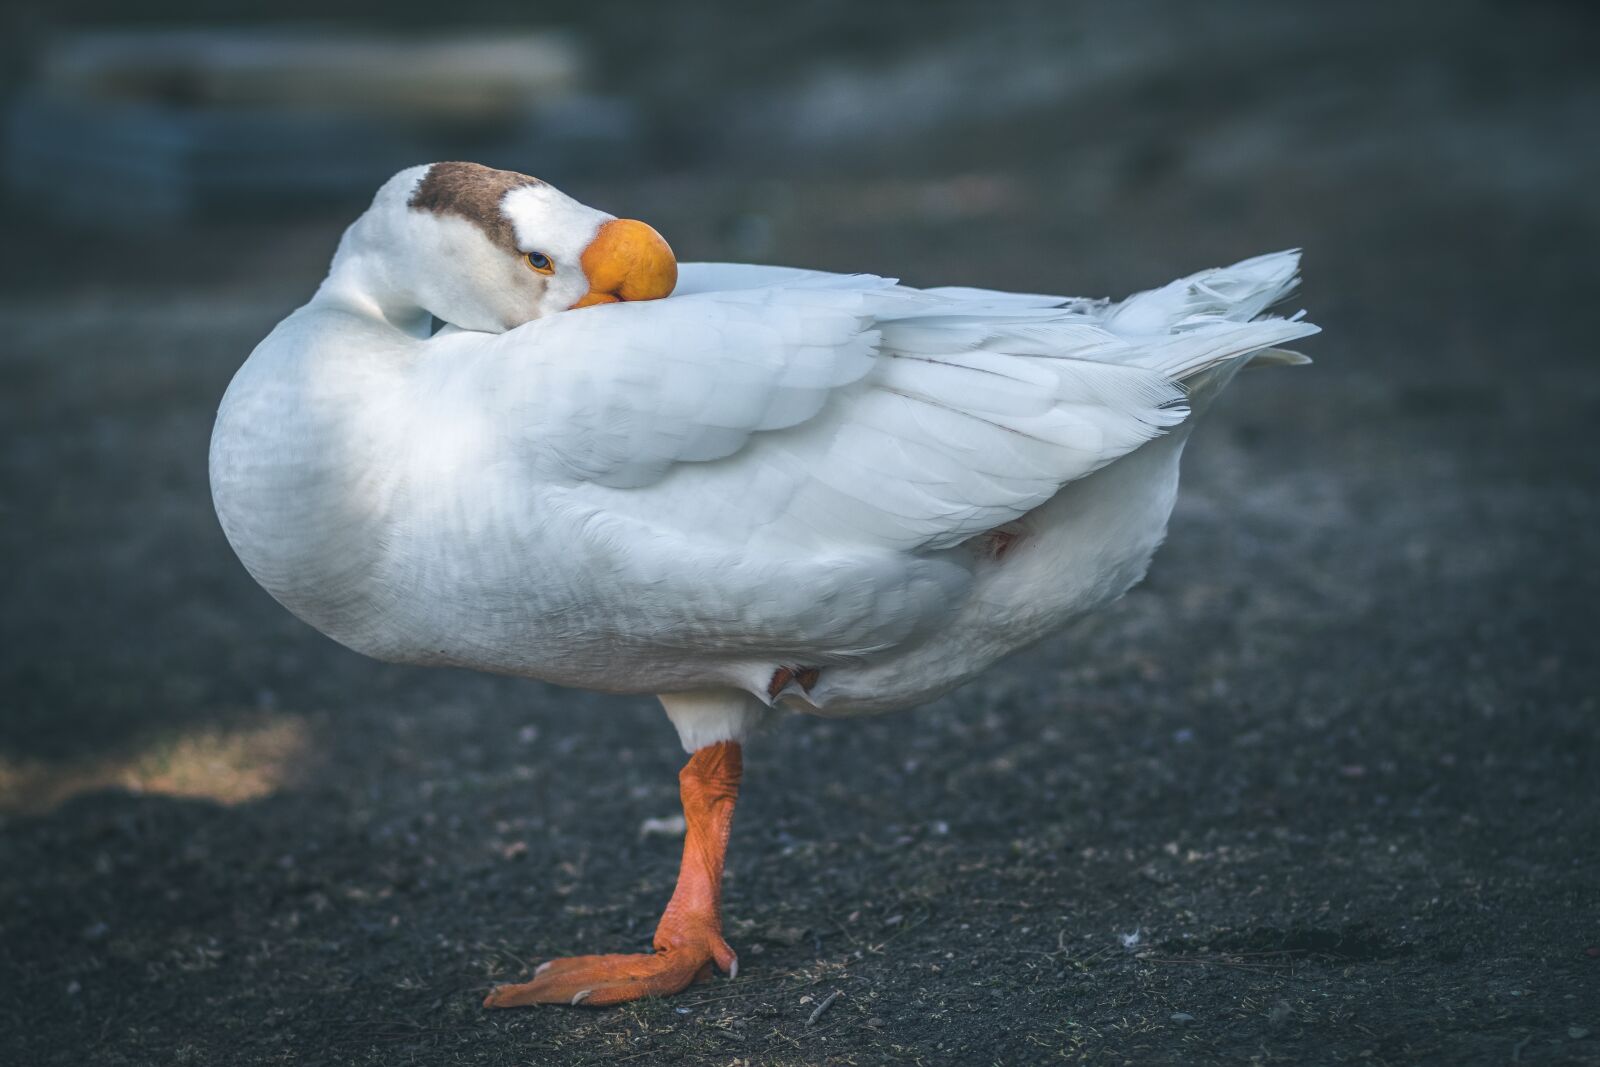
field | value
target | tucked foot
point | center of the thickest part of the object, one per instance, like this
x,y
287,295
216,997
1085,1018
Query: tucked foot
x,y
599,981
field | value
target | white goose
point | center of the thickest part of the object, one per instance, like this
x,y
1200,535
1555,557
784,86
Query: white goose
x,y
778,490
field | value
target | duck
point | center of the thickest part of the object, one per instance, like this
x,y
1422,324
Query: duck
x,y
509,432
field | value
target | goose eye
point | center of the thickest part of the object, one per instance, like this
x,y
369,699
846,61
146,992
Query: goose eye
x,y
540,262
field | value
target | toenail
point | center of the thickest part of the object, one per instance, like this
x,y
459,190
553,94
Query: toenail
x,y
580,996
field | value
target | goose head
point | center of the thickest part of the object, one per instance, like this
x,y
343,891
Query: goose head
x,y
489,250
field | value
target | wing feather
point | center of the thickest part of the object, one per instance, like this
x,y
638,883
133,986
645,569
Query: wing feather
x,y
794,416
889,418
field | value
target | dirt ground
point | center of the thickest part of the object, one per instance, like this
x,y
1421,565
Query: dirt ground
x,y
1324,789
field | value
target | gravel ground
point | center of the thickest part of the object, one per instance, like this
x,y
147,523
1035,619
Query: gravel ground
x,y
1323,789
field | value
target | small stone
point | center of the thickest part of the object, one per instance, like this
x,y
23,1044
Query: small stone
x,y
1577,1033
1182,1018
666,826
73,988
1280,1013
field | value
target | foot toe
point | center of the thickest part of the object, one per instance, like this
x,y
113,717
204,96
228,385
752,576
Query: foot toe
x,y
599,981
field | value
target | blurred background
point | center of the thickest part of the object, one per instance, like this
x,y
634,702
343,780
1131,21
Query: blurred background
x,y
1325,783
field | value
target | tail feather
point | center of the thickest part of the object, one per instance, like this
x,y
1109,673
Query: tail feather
x,y
1213,319
1234,294
1183,355
1202,329
1278,357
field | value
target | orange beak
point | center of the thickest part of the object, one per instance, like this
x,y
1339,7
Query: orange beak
x,y
627,260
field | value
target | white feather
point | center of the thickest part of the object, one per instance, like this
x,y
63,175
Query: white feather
x,y
771,467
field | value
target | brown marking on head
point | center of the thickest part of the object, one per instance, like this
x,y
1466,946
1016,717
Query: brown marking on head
x,y
473,192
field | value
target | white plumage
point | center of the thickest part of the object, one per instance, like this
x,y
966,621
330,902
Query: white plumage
x,y
770,469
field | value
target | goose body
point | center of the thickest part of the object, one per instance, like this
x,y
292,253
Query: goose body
x,y
773,490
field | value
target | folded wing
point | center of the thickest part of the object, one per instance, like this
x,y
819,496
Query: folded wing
x,y
824,438
842,410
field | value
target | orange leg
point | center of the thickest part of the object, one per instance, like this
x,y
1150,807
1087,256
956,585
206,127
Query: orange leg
x,y
689,937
